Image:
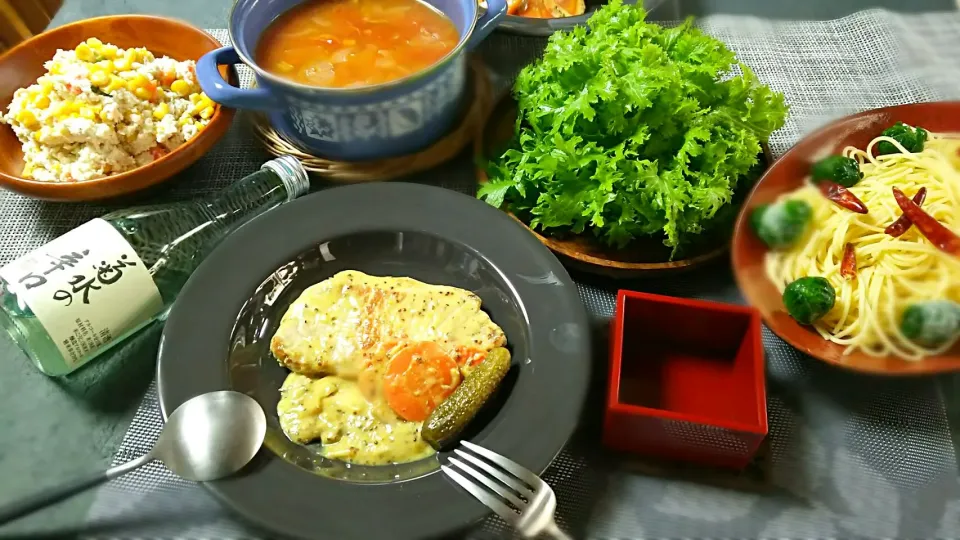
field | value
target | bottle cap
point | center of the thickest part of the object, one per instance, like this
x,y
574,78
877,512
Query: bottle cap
x,y
292,173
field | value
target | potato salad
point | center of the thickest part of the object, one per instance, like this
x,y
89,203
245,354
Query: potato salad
x,y
101,110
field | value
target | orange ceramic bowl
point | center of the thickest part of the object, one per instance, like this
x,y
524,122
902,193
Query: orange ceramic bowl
x,y
789,173
22,65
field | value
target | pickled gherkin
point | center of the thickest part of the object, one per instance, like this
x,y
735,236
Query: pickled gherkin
x,y
452,416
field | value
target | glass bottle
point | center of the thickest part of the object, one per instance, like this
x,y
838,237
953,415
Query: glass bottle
x,y
79,295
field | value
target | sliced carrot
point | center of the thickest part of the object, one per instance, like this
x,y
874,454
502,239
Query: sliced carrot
x,y
158,152
418,378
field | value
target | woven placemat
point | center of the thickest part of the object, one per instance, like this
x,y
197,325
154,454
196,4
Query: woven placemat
x,y
478,106
847,457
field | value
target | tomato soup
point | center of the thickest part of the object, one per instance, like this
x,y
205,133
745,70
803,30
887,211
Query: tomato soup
x,y
344,43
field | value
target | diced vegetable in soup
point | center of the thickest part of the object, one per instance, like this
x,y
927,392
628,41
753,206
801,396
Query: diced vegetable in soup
x,y
344,43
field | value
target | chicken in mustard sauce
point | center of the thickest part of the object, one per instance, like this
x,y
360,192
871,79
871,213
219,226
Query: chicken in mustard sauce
x,y
371,358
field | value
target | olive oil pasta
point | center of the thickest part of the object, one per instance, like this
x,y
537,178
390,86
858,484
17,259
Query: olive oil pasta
x,y
890,261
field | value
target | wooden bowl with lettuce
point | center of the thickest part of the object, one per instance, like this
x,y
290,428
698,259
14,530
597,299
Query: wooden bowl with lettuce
x,y
628,148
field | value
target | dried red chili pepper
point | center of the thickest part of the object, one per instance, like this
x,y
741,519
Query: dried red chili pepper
x,y
842,197
942,237
848,266
903,223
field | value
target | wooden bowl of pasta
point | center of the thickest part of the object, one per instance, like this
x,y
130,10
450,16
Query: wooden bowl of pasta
x,y
895,282
544,17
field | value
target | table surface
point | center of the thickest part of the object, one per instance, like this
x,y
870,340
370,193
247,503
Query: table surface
x,y
88,413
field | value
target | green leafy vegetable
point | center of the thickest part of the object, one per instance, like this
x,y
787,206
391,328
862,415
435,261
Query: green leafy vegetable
x,y
910,138
932,323
782,224
628,129
809,298
842,170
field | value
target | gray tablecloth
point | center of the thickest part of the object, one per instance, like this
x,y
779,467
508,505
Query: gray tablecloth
x,y
847,455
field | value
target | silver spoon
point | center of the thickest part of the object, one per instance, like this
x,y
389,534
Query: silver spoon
x,y
209,437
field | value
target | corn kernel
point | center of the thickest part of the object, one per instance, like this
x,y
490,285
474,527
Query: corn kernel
x,y
45,85
41,102
123,64
55,68
99,78
94,43
36,135
181,87
161,111
107,65
28,119
27,170
116,83
65,109
184,120
60,112
88,113
206,113
109,51
131,56
142,93
195,98
84,52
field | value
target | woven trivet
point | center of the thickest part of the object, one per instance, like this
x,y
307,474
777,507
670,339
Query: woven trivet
x,y
480,100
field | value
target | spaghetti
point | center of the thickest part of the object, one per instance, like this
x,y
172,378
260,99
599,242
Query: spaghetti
x,y
892,272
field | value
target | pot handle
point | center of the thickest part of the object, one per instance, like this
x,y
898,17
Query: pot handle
x,y
221,91
496,11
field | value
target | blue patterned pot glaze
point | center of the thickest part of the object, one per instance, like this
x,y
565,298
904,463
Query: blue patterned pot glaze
x,y
352,124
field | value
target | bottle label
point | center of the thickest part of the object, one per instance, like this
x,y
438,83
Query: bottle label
x,y
86,288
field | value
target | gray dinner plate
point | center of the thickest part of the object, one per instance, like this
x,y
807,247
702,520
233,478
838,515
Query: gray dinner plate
x,y
217,337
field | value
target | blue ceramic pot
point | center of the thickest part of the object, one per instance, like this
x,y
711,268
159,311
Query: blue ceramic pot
x,y
351,124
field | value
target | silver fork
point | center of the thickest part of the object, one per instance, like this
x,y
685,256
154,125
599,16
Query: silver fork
x,y
517,495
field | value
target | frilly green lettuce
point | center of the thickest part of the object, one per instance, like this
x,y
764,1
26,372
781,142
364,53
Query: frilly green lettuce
x,y
631,130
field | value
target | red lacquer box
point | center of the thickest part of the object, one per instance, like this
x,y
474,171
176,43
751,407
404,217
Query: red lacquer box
x,y
687,380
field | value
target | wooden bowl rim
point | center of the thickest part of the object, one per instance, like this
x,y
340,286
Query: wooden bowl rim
x,y
560,247
61,190
590,260
930,365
